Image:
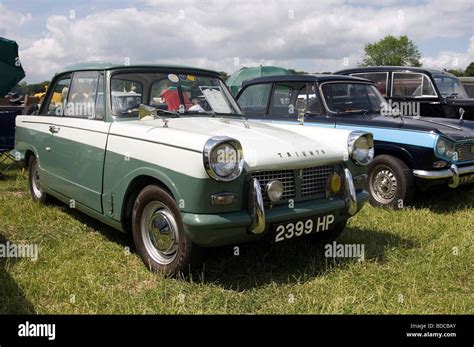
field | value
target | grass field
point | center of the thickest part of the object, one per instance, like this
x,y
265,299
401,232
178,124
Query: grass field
x,y
418,260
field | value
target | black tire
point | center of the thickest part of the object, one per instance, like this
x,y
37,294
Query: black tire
x,y
391,183
178,255
329,236
36,192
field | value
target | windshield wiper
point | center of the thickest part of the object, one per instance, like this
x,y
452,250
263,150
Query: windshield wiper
x,y
212,113
157,110
363,111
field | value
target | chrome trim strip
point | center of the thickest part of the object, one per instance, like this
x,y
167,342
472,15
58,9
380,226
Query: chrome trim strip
x,y
350,192
256,208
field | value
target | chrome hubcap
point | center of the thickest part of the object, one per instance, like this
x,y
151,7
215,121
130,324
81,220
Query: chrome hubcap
x,y
35,182
384,185
160,232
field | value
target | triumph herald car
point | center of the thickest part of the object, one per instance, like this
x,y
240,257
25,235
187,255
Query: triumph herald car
x,y
438,93
410,152
165,153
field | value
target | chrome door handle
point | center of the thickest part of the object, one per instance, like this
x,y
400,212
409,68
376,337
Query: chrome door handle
x,y
48,149
54,129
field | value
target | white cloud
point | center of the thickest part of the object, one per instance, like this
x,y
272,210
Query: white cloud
x,y
451,60
313,36
11,20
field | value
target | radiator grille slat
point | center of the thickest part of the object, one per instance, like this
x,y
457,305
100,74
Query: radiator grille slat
x,y
465,151
310,182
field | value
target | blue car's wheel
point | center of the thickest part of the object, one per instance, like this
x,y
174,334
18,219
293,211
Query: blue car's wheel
x,y
390,182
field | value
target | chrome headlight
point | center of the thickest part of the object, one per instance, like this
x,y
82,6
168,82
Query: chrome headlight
x,y
445,149
223,159
361,147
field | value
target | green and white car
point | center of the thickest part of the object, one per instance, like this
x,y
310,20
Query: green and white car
x,y
165,153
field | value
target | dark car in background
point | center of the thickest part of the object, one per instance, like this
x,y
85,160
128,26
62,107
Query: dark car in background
x,y
438,93
468,84
410,152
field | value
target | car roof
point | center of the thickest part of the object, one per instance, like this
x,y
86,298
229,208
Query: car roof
x,y
391,68
103,65
301,78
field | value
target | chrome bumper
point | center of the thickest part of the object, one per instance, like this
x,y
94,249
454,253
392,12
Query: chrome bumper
x,y
350,192
453,173
256,209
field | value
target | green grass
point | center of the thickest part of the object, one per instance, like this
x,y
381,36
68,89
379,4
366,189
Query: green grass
x,y
410,265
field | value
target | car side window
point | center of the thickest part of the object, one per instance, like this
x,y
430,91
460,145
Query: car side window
x,y
57,99
380,80
83,94
307,101
412,85
290,100
126,93
281,99
254,99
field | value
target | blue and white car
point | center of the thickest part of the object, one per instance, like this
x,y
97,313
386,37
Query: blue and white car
x,y
410,151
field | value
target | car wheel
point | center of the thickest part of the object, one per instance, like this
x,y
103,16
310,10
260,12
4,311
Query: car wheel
x,y
329,236
159,235
390,182
37,193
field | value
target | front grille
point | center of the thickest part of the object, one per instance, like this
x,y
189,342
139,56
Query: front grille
x,y
465,151
298,184
314,180
287,177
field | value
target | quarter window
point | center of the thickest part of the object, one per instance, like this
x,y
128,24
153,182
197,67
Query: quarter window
x,y
412,85
254,99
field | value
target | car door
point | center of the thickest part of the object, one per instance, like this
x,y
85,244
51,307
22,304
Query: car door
x,y
79,141
40,128
415,93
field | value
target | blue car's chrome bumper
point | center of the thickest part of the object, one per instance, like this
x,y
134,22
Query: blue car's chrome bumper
x,y
453,174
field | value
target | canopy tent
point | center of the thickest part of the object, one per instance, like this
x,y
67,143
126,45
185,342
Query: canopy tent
x,y
11,71
235,80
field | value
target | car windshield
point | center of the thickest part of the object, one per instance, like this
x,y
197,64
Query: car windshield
x,y
449,86
180,93
351,97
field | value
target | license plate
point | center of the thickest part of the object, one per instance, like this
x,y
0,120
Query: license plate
x,y
466,179
289,230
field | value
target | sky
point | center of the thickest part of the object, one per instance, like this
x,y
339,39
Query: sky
x,y
224,35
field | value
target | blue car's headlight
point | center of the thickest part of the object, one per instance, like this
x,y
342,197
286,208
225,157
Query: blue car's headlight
x,y
446,149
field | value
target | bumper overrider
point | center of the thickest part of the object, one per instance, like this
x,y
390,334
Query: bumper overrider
x,y
453,175
230,228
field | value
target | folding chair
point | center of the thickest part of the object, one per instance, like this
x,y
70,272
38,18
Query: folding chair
x,y
7,139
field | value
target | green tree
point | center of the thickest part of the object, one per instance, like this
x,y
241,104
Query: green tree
x,y
392,51
469,70
457,73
